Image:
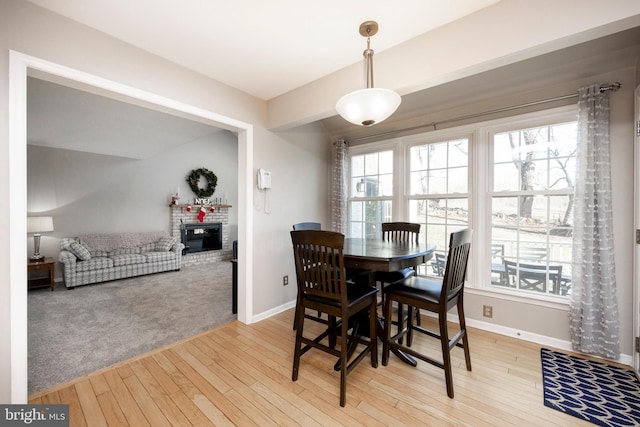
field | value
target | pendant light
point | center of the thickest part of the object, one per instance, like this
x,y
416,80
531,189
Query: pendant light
x,y
366,107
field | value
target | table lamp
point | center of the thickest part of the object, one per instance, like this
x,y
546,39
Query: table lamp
x,y
38,225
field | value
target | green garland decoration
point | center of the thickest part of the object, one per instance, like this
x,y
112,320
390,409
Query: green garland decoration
x,y
194,178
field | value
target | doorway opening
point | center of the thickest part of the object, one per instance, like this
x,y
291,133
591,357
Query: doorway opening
x,y
20,67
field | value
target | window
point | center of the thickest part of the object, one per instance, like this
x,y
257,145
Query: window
x,y
438,194
371,193
511,180
531,207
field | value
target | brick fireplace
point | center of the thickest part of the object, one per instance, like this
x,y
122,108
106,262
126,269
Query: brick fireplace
x,y
179,215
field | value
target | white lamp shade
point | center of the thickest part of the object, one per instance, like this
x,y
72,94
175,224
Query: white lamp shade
x,y
367,107
39,224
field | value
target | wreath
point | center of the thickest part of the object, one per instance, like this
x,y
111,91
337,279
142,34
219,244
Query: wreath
x,y
194,178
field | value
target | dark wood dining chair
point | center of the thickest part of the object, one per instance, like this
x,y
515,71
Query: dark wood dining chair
x,y
408,232
400,232
322,286
307,226
437,297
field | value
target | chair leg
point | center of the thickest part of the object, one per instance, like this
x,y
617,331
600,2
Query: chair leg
x,y
446,353
373,334
298,307
411,315
465,337
387,330
331,324
401,320
418,320
410,311
344,350
298,326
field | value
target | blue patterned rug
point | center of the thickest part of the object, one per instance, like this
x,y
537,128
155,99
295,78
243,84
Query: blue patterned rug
x,y
603,394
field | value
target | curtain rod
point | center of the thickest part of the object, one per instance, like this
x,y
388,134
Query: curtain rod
x,y
604,88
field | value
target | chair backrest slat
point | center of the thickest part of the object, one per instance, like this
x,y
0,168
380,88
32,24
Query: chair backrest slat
x,y
456,270
401,231
319,261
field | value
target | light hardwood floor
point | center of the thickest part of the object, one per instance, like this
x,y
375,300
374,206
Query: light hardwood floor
x,y
240,375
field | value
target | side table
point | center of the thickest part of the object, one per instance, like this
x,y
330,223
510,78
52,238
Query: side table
x,y
47,264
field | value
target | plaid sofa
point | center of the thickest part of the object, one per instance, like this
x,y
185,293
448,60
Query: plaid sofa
x,y
95,258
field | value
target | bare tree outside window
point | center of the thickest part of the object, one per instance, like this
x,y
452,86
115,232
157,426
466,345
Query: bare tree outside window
x,y
532,204
526,165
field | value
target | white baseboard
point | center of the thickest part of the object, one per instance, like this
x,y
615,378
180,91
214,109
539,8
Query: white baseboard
x,y
273,311
559,344
624,359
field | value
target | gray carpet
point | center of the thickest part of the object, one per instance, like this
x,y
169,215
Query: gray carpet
x,y
75,332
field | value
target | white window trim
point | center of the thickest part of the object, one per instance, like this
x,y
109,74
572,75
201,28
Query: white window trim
x,y
376,147
486,131
479,135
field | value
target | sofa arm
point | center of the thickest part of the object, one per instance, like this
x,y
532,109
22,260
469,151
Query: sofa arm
x,y
177,248
68,261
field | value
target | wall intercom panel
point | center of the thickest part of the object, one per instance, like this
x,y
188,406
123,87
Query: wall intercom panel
x,y
264,179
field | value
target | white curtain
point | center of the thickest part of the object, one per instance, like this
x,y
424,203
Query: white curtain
x,y
594,308
339,187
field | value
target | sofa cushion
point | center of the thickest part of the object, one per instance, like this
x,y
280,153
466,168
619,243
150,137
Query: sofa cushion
x,y
159,256
149,247
127,259
110,241
96,263
65,242
124,251
165,244
99,253
80,250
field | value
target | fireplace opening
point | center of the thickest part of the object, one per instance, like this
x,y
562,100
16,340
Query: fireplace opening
x,y
206,236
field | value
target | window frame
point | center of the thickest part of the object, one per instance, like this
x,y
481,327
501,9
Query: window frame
x,y
436,137
515,123
364,149
480,188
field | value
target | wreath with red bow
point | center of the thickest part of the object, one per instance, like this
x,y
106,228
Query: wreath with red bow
x,y
194,180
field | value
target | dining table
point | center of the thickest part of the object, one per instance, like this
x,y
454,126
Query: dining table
x,y
371,255
384,255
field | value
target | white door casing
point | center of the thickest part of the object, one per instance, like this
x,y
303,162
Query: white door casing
x,y
20,64
636,267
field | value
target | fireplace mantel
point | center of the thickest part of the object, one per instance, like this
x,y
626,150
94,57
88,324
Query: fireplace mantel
x,y
202,206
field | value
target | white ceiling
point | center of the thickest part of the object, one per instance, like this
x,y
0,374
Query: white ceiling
x,y
264,48
291,43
